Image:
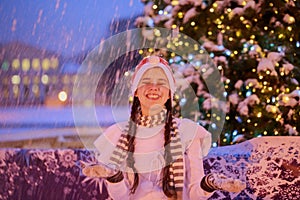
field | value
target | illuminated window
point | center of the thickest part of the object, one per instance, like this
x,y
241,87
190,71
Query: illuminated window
x,y
35,89
46,64
36,64
15,64
54,63
36,79
26,80
25,64
15,79
5,66
45,79
16,91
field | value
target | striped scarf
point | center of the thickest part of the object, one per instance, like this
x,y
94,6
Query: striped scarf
x,y
152,120
176,167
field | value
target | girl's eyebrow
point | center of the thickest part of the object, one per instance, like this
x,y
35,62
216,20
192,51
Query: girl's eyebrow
x,y
145,79
160,79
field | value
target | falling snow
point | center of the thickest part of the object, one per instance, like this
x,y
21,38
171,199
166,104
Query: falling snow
x,y
67,29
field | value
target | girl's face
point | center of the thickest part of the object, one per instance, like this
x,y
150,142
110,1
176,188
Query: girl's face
x,y
153,91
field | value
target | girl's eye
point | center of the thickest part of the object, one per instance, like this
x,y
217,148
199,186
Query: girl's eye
x,y
148,83
145,82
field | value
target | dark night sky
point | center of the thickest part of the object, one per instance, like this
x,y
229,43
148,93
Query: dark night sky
x,y
68,27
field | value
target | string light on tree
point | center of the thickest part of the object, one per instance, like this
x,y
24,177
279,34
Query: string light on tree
x,y
251,32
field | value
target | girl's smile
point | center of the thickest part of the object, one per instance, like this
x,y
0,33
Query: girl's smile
x,y
153,96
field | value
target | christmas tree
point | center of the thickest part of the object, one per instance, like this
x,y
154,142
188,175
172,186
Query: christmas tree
x,y
255,45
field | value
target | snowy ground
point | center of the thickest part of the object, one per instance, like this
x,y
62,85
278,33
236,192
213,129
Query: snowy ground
x,y
23,123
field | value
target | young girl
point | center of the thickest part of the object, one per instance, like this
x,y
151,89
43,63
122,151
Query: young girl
x,y
155,155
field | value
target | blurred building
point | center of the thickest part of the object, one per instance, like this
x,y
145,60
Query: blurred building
x,y
33,76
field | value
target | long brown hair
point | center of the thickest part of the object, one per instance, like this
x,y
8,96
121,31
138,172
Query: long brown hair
x,y
135,109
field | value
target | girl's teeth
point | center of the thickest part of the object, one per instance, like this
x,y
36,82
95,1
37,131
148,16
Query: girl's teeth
x,y
153,96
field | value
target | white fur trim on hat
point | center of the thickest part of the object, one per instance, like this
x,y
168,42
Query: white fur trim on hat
x,y
148,63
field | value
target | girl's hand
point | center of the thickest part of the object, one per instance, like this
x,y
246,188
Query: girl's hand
x,y
221,182
98,170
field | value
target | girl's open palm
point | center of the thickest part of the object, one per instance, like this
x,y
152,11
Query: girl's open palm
x,y
97,170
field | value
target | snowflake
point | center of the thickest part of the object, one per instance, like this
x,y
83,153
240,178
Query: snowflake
x,y
51,165
67,158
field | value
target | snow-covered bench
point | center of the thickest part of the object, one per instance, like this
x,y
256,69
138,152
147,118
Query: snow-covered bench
x,y
269,165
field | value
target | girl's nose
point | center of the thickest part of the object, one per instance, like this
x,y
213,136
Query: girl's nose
x,y
153,86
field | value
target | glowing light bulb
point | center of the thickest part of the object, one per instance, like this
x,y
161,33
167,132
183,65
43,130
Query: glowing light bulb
x,y
62,96
285,99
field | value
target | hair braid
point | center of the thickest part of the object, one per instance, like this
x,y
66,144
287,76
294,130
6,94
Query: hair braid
x,y
168,190
131,141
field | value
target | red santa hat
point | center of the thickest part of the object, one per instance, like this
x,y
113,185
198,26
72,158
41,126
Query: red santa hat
x,y
148,63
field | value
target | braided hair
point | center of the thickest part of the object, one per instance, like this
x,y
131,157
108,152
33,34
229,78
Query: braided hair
x,y
168,190
131,141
